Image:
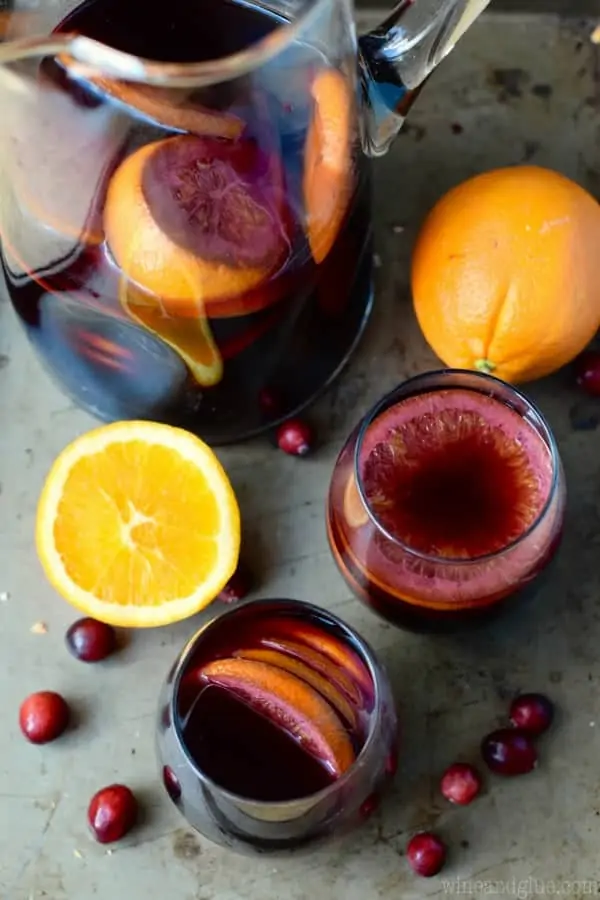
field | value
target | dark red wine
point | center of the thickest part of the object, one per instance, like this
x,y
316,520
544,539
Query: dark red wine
x,y
195,340
245,753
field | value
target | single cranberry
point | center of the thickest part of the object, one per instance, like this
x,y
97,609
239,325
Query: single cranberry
x,y
43,717
532,713
587,372
237,587
171,783
509,751
295,437
426,853
460,783
112,813
90,640
369,805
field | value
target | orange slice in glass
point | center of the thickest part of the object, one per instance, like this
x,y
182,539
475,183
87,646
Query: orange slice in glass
x,y
193,219
289,702
189,336
138,524
328,172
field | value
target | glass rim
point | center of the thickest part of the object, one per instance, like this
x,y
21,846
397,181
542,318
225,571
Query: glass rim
x,y
387,401
367,655
94,57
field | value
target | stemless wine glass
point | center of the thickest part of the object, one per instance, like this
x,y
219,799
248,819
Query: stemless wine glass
x,y
447,501
317,646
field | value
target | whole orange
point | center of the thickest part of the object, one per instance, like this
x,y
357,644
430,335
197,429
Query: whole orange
x,y
506,275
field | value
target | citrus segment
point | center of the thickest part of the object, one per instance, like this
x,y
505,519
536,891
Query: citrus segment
x,y
306,673
196,219
137,524
347,669
328,171
191,338
288,702
504,273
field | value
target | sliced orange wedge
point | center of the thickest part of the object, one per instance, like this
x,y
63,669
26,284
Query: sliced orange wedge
x,y
196,219
355,512
138,525
190,337
289,703
328,174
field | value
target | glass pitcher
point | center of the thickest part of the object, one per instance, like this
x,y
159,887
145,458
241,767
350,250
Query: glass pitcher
x,y
184,201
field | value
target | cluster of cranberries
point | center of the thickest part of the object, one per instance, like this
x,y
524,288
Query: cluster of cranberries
x,y
44,716
506,751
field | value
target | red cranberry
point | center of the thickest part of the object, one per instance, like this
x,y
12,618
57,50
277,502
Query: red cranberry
x,y
587,372
509,751
90,640
171,783
426,854
43,717
460,783
295,437
532,713
112,813
237,587
369,805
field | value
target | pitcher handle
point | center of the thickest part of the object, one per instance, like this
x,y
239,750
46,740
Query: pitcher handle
x,y
399,55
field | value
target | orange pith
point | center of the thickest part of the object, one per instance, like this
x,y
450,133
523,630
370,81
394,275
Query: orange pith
x,y
291,703
137,524
326,688
151,259
190,337
328,173
504,273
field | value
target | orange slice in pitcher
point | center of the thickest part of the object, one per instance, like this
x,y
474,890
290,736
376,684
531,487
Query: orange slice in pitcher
x,y
195,220
138,525
189,336
328,173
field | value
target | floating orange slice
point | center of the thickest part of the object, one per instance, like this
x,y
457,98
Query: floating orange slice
x,y
138,525
190,337
328,173
355,512
326,688
290,703
165,106
193,219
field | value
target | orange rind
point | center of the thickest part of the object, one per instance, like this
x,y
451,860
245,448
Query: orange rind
x,y
328,170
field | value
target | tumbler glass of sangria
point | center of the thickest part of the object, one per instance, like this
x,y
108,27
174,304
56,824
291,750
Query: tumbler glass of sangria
x,y
185,223
447,501
276,728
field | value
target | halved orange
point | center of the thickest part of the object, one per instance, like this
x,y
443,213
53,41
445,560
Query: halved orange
x,y
194,219
328,173
189,336
138,524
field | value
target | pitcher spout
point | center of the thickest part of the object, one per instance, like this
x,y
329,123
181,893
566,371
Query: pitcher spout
x,y
399,55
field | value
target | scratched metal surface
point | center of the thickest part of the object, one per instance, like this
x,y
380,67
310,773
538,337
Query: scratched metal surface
x,y
519,88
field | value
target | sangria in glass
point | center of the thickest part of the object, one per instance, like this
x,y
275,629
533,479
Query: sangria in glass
x,y
447,501
276,728
185,206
